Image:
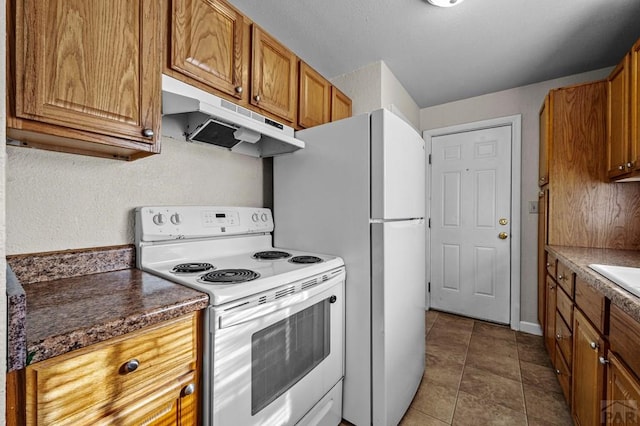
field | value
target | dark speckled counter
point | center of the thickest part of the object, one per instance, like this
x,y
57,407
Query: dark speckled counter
x,y
579,259
74,311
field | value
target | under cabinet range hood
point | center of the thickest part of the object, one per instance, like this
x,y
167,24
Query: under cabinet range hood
x,y
211,119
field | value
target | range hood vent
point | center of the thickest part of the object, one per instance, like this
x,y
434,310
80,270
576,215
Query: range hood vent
x,y
213,120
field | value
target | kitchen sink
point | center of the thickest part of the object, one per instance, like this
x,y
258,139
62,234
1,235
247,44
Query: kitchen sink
x,y
626,277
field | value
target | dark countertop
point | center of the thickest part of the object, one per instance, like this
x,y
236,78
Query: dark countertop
x,y
579,259
69,312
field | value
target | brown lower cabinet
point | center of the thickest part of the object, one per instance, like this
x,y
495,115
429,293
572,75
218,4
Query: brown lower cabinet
x,y
146,377
594,347
588,372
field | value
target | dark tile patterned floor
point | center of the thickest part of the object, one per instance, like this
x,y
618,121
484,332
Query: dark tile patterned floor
x,y
480,373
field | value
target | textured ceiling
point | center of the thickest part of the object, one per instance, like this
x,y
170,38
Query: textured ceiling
x,y
445,54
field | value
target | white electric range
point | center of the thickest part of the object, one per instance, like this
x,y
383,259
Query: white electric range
x,y
273,347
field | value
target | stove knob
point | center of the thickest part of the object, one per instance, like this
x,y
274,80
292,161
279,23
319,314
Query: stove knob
x,y
176,219
264,217
254,217
158,219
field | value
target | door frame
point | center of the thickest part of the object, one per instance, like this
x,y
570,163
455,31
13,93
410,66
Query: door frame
x,y
515,121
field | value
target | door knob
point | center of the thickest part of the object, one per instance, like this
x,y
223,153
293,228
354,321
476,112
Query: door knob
x,y
503,235
503,221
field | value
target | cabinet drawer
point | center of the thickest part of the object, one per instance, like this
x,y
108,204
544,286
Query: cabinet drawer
x,y
564,340
564,377
592,303
552,262
564,305
565,278
624,337
80,386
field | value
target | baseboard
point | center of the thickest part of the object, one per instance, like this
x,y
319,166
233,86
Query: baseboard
x,y
531,328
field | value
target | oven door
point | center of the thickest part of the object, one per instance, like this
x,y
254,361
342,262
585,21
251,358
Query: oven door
x,y
273,362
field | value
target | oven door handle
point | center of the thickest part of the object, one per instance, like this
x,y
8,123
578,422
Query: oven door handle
x,y
305,298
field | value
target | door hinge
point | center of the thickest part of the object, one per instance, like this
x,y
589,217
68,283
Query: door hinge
x,y
429,223
429,287
429,158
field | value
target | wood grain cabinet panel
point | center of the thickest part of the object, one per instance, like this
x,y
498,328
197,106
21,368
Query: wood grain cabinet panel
x,y
566,279
635,105
545,126
543,256
624,336
593,305
314,100
623,394
588,372
617,120
274,74
126,380
550,318
87,70
340,105
208,45
564,340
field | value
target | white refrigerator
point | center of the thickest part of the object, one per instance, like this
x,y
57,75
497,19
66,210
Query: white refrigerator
x,y
358,191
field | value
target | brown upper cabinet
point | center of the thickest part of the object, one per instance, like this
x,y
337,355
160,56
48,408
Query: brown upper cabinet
x,y
274,76
210,44
545,127
623,127
340,105
85,79
314,101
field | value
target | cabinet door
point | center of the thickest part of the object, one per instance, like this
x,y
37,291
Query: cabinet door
x,y
623,394
340,105
617,119
550,318
542,254
545,127
588,372
90,65
314,101
274,69
635,105
207,44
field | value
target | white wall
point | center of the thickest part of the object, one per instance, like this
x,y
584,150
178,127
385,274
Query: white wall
x,y
394,95
58,201
524,100
373,87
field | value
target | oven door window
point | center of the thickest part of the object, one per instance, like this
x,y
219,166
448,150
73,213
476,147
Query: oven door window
x,y
284,352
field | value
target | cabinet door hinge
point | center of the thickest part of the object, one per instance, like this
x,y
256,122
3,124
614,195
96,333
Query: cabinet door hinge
x,y
429,223
429,158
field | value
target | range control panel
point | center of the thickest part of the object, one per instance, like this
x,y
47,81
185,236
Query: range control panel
x,y
185,222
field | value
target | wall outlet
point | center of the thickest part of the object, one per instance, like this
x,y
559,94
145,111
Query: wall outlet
x,y
533,207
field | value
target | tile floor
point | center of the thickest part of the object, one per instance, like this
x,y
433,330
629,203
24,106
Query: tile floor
x,y
480,373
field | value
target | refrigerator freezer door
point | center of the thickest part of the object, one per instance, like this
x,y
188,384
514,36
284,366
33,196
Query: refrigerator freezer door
x,y
398,332
397,168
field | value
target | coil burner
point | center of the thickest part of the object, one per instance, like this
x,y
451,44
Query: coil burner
x,y
230,276
305,259
191,268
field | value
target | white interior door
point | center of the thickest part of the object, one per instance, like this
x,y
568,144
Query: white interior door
x,y
471,222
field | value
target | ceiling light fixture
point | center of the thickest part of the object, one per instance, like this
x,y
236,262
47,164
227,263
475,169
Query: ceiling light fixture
x,y
445,3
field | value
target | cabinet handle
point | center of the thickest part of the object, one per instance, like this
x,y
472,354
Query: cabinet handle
x,y
540,194
603,360
558,372
131,366
147,133
621,167
594,345
257,98
629,165
189,389
239,89
548,265
558,336
560,277
551,287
